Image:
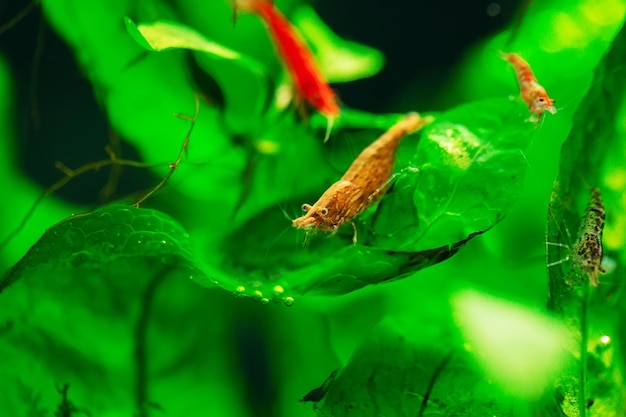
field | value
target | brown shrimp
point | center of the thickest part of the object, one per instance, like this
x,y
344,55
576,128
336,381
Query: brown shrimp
x,y
363,184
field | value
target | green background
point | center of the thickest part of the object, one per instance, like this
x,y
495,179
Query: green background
x,y
179,307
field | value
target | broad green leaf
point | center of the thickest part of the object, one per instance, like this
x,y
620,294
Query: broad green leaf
x,y
241,78
163,35
589,159
105,237
103,303
339,60
355,119
464,177
454,183
125,337
389,374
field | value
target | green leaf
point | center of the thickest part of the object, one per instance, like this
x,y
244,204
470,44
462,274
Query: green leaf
x,y
588,159
107,236
456,182
163,35
463,178
397,366
591,156
247,78
339,60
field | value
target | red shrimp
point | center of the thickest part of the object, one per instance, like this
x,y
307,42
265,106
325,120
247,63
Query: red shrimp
x,y
309,82
532,92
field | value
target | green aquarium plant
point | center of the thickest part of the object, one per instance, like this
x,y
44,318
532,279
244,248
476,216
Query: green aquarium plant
x,y
182,289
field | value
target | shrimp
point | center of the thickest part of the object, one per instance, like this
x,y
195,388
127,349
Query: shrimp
x,y
298,59
586,253
588,247
532,92
363,184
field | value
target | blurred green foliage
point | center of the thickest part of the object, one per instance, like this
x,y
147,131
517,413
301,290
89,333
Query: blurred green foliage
x,y
100,309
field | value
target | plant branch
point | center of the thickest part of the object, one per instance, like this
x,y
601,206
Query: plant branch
x,y
433,380
141,339
183,150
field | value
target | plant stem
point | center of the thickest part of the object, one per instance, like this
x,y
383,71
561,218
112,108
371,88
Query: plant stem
x,y
433,379
141,339
584,330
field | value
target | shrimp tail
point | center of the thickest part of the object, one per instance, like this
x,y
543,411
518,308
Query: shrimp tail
x,y
330,121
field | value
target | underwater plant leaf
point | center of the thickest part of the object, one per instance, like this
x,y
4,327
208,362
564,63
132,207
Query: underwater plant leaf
x,y
588,160
457,179
238,75
163,35
339,60
395,368
356,119
465,175
114,330
107,236
587,155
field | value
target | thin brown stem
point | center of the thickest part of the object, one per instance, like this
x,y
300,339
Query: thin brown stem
x,y
70,174
113,149
182,152
18,17
112,160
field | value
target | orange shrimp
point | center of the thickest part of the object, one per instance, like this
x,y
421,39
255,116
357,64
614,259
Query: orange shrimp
x,y
532,92
297,58
364,183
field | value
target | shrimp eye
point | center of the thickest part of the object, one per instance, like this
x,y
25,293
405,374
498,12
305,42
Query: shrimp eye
x,y
541,99
324,211
306,207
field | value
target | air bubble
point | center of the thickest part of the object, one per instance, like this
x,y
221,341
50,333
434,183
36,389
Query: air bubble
x,y
288,301
264,300
258,293
163,242
241,289
278,290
